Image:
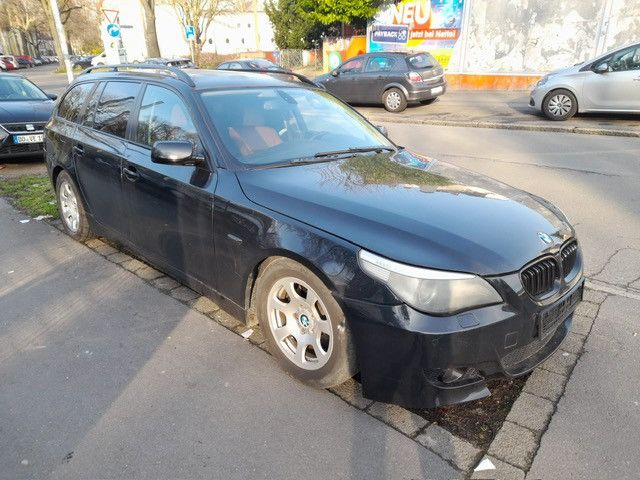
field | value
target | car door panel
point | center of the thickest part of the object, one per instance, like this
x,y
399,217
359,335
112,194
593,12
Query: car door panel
x,y
99,152
346,84
170,206
618,88
98,161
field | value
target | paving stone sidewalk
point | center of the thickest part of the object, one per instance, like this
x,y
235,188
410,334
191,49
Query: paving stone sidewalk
x,y
516,443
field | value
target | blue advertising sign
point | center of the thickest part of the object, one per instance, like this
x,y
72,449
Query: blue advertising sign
x,y
190,32
113,29
390,33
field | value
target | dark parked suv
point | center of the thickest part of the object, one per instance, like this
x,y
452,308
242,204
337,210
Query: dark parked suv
x,y
289,208
392,79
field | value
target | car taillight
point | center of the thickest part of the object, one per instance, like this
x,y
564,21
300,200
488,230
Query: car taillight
x,y
415,77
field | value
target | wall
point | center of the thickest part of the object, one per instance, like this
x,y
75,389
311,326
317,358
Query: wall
x,y
529,36
506,43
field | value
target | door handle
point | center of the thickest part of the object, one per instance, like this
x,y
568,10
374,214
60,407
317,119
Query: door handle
x,y
78,149
131,173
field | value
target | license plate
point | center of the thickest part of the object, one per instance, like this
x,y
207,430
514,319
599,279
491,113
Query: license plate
x,y
36,138
435,91
550,319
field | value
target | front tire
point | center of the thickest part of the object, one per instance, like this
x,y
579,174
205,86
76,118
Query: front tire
x,y
560,105
71,208
303,324
394,100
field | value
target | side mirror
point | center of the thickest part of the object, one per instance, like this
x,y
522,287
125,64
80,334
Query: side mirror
x,y
175,152
383,130
335,73
602,68
52,96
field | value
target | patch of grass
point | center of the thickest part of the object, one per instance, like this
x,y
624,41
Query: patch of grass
x,y
33,194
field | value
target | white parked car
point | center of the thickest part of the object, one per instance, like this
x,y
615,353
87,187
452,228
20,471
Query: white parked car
x,y
609,83
100,59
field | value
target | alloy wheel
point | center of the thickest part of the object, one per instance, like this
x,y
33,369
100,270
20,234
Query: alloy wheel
x,y
69,206
300,323
559,105
393,100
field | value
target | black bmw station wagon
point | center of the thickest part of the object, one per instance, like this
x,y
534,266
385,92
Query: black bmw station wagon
x,y
284,204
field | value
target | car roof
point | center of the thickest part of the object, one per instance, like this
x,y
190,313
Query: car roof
x,y
202,79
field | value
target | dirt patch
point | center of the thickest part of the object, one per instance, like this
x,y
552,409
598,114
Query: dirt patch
x,y
478,422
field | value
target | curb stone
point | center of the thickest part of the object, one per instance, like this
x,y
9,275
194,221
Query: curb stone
x,y
503,471
560,362
399,418
507,126
515,445
458,451
351,392
531,412
452,449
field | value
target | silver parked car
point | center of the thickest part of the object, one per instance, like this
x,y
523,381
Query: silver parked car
x,y
610,83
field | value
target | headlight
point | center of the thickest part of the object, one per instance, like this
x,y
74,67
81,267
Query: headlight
x,y
430,291
3,134
542,81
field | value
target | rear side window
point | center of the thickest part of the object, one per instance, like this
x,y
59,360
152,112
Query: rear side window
x,y
90,110
422,60
380,64
163,116
71,104
114,107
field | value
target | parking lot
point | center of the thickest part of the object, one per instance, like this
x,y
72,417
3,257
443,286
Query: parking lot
x,y
116,372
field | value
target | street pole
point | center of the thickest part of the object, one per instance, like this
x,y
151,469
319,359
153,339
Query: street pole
x,y
62,38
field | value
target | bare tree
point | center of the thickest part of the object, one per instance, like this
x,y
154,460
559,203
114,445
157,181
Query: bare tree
x,y
25,17
150,34
200,14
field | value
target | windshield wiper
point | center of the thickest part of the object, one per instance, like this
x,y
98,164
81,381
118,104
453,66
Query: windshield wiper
x,y
334,153
329,156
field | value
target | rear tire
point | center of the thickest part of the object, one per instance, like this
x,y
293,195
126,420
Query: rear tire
x,y
394,100
560,105
304,325
71,208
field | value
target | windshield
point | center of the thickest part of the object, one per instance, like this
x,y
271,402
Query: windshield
x,y
277,125
19,89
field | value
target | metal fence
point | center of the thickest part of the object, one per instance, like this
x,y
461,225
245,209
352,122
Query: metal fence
x,y
297,59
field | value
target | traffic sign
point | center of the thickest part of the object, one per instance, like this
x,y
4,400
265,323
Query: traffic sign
x,y
190,32
113,29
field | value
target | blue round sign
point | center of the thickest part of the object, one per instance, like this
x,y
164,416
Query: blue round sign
x,y
113,29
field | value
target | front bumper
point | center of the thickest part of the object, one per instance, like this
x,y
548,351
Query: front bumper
x,y
536,97
407,357
21,150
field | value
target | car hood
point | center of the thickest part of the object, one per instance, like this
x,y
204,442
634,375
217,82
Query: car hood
x,y
36,111
415,210
566,70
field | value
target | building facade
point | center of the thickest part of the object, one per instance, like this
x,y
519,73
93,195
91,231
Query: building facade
x,y
239,32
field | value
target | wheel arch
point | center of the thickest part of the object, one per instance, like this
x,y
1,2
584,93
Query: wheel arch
x,y
263,262
562,87
397,85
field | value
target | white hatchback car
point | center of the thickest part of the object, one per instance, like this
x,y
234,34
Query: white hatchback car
x,y
610,83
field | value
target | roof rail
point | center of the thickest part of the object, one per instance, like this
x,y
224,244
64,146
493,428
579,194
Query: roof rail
x,y
174,72
279,71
